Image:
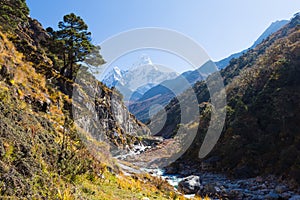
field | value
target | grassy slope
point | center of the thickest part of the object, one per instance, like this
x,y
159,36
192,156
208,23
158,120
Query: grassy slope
x,y
41,155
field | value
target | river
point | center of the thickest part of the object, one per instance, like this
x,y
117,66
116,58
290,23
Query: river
x,y
218,185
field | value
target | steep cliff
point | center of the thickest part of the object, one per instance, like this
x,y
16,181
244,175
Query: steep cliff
x,y
100,111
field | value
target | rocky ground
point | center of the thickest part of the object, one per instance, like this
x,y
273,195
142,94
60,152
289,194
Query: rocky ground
x,y
217,186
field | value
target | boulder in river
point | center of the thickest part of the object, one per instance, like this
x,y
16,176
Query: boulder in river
x,y
281,189
272,195
190,185
296,197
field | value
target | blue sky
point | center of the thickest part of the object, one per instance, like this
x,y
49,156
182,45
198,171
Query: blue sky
x,y
220,27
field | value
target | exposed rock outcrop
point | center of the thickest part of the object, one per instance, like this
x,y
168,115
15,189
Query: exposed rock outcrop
x,y
101,112
190,185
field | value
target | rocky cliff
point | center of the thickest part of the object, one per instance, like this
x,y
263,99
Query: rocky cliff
x,y
100,111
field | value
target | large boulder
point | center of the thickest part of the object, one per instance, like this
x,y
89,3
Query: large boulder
x,y
190,185
296,197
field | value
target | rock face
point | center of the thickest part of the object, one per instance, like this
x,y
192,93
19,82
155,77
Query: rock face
x,y
190,185
101,112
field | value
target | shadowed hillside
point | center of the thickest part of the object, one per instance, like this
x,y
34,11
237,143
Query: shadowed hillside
x,y
261,133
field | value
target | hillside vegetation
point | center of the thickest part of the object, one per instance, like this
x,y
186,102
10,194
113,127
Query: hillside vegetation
x,y
42,154
262,133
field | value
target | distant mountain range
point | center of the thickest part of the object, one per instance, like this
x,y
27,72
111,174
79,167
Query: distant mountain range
x,y
146,85
141,77
275,26
163,93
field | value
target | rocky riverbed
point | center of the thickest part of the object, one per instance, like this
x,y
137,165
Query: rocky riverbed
x,y
218,186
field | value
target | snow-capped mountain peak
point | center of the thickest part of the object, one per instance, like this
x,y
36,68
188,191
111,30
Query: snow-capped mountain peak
x,y
114,77
145,60
117,71
142,76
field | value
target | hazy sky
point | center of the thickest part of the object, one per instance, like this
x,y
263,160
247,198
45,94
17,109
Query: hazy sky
x,y
221,27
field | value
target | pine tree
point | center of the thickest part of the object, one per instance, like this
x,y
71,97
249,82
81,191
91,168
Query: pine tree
x,y
76,42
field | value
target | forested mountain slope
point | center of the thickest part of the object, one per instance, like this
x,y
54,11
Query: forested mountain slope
x,y
262,131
